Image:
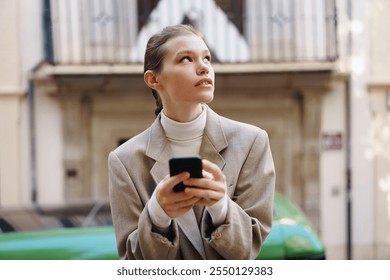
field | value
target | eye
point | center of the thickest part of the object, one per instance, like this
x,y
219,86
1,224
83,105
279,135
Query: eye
x,y
207,58
186,59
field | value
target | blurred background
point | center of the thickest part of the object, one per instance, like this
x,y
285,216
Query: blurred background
x,y
313,73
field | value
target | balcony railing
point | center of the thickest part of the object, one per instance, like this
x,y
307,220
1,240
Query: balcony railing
x,y
252,31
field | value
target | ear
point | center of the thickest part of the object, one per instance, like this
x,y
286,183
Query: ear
x,y
150,79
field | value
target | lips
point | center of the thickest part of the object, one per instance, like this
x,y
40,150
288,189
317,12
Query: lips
x,y
204,82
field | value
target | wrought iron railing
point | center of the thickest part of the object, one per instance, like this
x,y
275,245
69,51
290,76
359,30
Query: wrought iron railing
x,y
251,31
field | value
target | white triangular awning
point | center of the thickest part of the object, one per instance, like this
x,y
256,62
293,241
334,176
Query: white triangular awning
x,y
223,37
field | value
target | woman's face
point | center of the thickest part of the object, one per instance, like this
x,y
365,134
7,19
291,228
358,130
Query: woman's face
x,y
186,78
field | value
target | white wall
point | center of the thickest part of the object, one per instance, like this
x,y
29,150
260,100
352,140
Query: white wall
x,y
362,165
31,53
10,46
343,29
21,42
10,90
20,50
365,61
380,42
9,151
333,174
49,147
380,130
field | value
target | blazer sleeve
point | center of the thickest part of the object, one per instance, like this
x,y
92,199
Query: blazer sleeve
x,y
135,236
250,209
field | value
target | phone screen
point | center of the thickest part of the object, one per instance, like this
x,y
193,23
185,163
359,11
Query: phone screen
x,y
180,164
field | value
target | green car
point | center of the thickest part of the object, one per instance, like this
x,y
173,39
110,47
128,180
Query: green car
x,y
292,237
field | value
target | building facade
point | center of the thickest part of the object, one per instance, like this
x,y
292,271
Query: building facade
x,y
290,67
21,50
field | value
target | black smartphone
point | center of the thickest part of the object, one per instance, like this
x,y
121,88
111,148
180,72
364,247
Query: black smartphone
x,y
180,164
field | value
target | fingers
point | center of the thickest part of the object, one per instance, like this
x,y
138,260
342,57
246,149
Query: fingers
x,y
207,175
170,182
183,205
178,208
165,188
205,191
212,192
209,189
213,178
214,170
174,203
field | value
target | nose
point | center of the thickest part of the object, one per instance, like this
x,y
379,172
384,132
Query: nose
x,y
203,68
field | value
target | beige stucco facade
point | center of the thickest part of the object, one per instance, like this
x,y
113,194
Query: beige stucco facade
x,y
20,50
11,95
379,132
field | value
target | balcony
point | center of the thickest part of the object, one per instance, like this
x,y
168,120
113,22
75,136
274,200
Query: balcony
x,y
115,32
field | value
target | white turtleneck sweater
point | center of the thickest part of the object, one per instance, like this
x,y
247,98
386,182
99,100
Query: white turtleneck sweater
x,y
185,140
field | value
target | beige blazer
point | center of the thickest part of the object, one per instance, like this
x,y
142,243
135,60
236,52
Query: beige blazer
x,y
241,151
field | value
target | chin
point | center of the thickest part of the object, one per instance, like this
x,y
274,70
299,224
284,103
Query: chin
x,y
207,98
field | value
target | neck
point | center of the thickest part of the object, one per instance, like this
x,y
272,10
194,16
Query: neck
x,y
183,113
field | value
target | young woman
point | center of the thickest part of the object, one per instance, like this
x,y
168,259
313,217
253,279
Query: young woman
x,y
227,214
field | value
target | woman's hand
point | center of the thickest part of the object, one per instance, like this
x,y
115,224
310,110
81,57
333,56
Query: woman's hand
x,y
209,189
173,203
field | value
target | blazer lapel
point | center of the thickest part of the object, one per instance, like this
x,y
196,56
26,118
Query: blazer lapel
x,y
214,140
189,226
159,150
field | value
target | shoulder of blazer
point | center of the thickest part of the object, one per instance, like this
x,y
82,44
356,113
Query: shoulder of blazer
x,y
233,127
137,143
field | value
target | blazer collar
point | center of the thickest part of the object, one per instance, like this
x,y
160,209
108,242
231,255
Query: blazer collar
x,y
159,150
214,139
213,142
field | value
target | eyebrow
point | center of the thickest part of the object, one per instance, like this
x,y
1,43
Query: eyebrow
x,y
190,52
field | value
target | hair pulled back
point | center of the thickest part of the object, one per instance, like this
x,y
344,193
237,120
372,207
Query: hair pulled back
x,y
155,51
